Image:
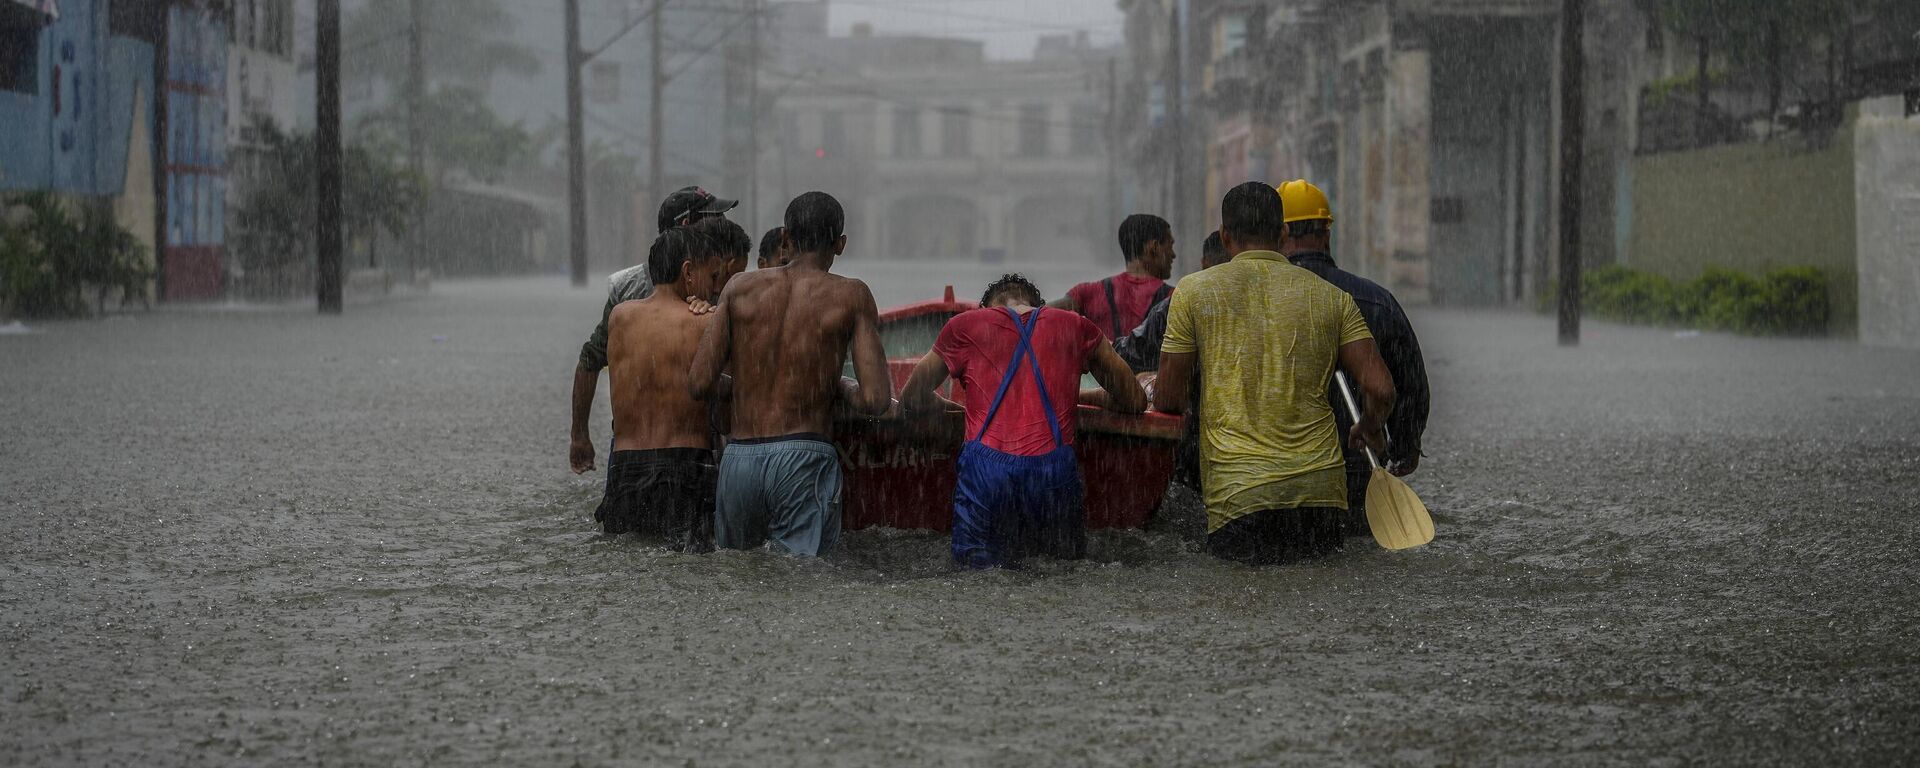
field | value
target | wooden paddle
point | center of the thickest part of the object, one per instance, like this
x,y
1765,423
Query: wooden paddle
x,y
1398,519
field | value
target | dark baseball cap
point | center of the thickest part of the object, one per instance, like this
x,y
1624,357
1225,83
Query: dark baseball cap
x,y
681,206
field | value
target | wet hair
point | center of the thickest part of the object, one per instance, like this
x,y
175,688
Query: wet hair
x,y
1138,230
725,238
814,220
1251,213
673,248
1309,227
769,243
1212,249
1013,282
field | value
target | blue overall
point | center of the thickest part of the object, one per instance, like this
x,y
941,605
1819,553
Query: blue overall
x,y
1006,506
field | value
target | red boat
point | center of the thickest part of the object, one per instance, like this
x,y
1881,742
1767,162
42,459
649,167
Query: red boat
x,y
900,472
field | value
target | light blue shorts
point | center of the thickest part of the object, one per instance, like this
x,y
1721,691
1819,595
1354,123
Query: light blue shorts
x,y
783,492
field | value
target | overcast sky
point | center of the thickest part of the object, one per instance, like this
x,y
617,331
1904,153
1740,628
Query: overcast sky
x,y
1008,26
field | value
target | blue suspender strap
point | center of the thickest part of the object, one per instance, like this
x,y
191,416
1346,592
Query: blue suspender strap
x,y
1026,327
1013,367
1053,422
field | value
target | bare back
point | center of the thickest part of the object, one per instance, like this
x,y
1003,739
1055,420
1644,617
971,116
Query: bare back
x,y
650,346
787,332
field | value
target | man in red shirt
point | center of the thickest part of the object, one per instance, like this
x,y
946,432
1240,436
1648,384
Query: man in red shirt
x,y
1117,304
1018,490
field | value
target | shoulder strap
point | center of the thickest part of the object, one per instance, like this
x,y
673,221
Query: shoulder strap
x,y
1039,381
1113,308
1161,294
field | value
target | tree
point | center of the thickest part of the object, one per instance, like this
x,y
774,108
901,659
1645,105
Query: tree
x,y
467,140
273,228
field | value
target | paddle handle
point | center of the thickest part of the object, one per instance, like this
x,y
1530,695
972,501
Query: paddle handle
x,y
1353,409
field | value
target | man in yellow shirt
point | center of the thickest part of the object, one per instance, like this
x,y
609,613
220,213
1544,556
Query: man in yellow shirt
x,y
1266,336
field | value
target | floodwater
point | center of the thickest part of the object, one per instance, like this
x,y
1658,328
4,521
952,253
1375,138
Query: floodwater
x,y
245,536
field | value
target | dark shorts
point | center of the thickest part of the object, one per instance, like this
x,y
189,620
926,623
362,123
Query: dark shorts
x,y
667,492
1278,536
1008,507
781,492
1354,521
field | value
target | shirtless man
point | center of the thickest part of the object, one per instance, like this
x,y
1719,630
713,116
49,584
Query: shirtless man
x,y
660,477
784,332
774,251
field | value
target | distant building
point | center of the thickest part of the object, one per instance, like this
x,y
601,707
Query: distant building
x,y
78,117
938,153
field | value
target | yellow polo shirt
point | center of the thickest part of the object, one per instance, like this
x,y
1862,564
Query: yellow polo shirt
x,y
1268,336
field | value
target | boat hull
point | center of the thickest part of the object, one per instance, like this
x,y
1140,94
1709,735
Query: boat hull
x,y
899,472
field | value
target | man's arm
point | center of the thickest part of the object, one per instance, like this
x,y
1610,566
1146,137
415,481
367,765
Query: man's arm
x,y
875,394
1124,393
1362,363
1065,302
1170,389
716,346
1408,422
580,448
586,379
919,394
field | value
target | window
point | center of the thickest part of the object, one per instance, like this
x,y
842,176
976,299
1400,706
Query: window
x,y
1086,130
19,48
1033,130
1233,36
956,132
906,132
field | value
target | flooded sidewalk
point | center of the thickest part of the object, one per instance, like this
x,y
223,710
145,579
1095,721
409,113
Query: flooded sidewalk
x,y
269,537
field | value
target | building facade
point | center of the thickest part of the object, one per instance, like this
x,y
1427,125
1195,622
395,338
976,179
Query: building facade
x,y
941,155
121,103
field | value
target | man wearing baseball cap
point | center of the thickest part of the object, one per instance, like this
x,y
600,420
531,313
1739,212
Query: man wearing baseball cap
x,y
686,206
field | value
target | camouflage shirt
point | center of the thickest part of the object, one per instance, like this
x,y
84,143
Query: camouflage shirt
x,y
625,285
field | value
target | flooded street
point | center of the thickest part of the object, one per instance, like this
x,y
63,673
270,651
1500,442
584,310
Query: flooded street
x,y
254,535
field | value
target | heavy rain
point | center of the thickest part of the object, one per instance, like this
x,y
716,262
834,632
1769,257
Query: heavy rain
x,y
488,381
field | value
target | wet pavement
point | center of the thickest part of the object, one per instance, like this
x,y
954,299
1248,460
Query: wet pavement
x,y
252,535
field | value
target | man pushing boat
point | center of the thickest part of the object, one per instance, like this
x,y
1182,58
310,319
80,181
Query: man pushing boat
x,y
660,476
784,333
1018,491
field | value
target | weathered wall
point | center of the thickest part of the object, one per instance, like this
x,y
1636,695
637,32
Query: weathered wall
x,y
1750,207
1887,182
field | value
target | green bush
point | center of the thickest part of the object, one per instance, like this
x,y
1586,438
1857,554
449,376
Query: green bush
x,y
1626,295
1791,300
50,258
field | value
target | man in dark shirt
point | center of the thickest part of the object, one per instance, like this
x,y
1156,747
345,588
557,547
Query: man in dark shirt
x,y
685,206
1308,243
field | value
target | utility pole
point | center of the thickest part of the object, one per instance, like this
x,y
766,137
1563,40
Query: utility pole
x,y
416,123
753,112
326,137
1573,115
576,152
1178,108
1113,139
658,85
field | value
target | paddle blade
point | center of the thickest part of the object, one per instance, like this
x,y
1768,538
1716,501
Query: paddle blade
x,y
1398,519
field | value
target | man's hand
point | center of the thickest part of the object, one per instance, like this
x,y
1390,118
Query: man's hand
x,y
699,306
580,454
1405,466
1369,435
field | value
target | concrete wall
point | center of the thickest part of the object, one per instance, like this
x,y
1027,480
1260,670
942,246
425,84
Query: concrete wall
x,y
1750,207
1887,181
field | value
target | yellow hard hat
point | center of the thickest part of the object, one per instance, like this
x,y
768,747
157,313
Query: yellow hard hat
x,y
1304,202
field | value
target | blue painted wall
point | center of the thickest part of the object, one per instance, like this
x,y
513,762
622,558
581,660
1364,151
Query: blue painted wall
x,y
70,135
